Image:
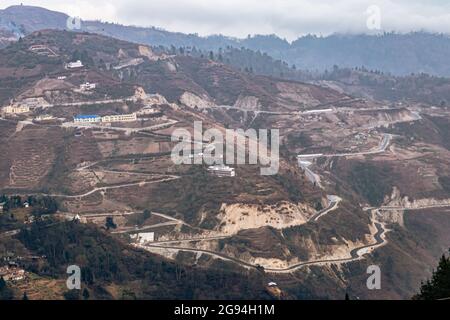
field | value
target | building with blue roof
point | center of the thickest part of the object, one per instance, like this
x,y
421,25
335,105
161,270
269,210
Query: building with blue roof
x,y
87,118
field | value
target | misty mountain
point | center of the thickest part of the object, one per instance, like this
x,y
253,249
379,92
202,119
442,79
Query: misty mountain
x,y
399,54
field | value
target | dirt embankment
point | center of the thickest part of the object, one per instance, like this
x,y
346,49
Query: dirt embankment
x,y
237,217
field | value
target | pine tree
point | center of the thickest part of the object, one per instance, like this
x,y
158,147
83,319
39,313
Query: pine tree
x,y
2,283
5,292
438,287
86,294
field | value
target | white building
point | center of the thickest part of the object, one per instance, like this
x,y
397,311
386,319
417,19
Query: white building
x,y
148,110
222,171
14,109
318,111
120,118
88,86
44,117
62,78
74,65
87,119
144,238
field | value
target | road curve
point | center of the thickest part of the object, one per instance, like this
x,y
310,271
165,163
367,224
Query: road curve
x,y
95,190
355,254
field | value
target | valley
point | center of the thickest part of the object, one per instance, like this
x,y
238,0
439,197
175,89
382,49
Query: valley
x,y
93,131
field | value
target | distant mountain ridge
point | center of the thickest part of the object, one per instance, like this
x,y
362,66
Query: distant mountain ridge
x,y
399,54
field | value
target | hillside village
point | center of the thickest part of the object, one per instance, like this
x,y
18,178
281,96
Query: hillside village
x,y
109,107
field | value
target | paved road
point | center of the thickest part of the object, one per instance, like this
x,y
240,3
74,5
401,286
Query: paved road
x,y
146,228
95,190
397,208
190,240
334,204
125,129
95,102
315,179
257,112
384,143
310,175
355,254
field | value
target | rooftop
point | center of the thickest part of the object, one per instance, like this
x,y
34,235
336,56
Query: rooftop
x,y
86,116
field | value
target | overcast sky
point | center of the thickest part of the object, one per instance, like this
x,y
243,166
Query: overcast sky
x,y
286,18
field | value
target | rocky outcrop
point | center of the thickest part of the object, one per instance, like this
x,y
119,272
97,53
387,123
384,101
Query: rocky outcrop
x,y
193,101
247,103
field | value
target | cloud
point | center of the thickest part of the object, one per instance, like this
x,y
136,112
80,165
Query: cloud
x,y
287,18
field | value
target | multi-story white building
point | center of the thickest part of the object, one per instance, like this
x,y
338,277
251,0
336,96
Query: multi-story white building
x,y
16,109
87,119
222,171
75,65
120,118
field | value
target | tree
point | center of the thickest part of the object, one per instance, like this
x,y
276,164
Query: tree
x,y
438,287
110,223
2,283
5,292
146,214
86,294
72,295
25,297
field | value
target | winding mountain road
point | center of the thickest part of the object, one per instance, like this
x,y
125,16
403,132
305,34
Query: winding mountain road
x,y
355,254
102,189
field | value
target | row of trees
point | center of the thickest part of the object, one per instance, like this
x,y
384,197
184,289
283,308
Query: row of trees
x,y
42,205
103,260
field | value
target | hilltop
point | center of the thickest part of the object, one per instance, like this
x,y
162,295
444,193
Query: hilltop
x,y
399,54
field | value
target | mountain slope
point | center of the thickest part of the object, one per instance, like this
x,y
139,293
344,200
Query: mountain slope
x,y
400,54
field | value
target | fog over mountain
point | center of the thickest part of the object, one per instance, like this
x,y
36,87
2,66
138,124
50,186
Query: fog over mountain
x,y
395,53
289,19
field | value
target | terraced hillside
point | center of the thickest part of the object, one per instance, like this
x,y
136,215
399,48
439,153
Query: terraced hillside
x,y
349,167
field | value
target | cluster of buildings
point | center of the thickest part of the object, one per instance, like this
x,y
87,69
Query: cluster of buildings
x,y
105,119
12,273
88,86
25,105
16,109
42,50
222,171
